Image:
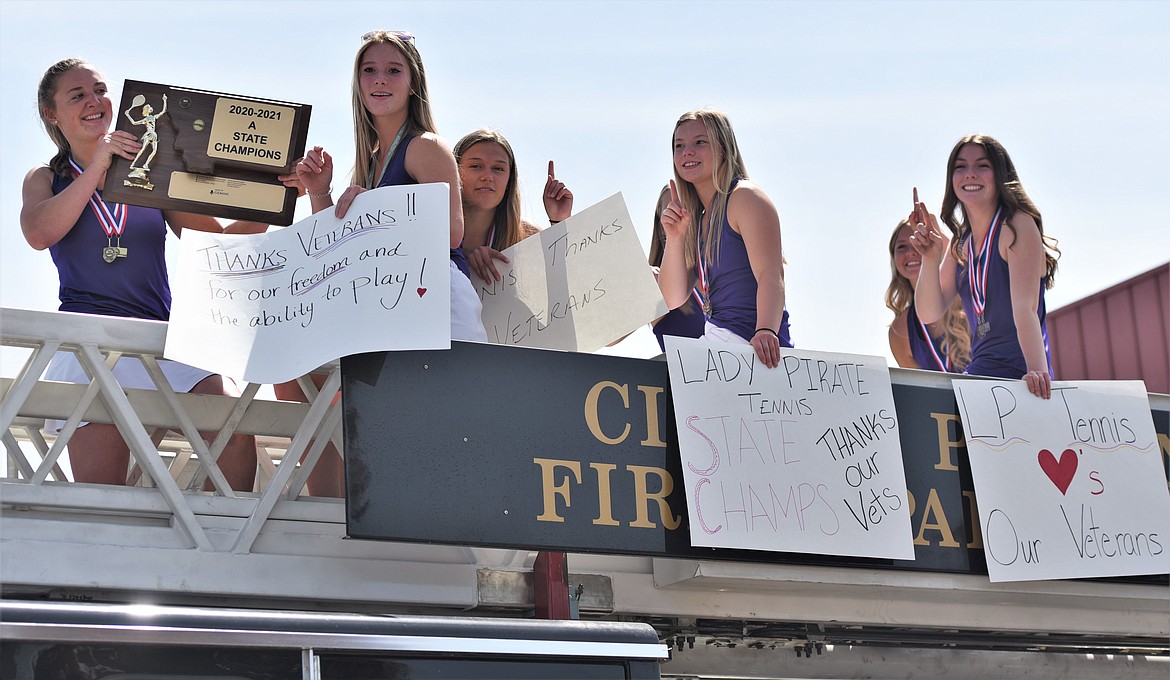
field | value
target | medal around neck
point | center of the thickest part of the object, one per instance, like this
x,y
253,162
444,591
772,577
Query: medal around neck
x,y
208,152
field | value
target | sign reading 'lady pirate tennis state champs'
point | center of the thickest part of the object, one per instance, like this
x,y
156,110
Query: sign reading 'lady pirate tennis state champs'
x,y
208,152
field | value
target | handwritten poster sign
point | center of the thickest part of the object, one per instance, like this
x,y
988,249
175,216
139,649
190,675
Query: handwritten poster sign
x,y
1069,487
578,285
804,457
270,307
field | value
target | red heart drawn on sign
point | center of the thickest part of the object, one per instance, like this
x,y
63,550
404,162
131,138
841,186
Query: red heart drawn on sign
x,y
1061,473
422,292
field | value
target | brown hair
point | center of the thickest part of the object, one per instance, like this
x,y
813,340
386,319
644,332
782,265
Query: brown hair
x,y
507,226
1012,198
46,92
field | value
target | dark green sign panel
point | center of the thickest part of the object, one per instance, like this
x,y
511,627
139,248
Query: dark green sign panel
x,y
528,449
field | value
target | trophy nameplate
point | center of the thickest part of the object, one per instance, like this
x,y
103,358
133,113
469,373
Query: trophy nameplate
x,y
208,152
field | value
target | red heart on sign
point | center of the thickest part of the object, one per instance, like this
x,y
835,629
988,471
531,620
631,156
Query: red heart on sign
x,y
422,292
1060,472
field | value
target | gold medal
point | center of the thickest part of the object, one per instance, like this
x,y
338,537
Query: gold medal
x,y
109,254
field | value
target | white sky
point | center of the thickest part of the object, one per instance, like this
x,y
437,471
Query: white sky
x,y
839,108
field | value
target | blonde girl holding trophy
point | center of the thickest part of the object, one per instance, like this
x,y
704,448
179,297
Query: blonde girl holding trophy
x,y
110,259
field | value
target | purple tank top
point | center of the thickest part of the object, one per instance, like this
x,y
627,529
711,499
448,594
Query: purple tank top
x,y
998,353
731,287
134,286
687,321
396,175
928,351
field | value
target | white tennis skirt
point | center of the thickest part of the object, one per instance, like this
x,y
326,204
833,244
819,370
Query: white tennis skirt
x,y
129,372
466,309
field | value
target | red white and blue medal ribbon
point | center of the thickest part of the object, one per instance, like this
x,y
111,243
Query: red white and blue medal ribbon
x,y
698,298
944,363
112,217
977,268
702,290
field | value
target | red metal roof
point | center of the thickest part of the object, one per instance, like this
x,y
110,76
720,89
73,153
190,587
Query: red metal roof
x,y
1120,333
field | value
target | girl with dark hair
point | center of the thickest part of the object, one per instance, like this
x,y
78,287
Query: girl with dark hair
x,y
999,263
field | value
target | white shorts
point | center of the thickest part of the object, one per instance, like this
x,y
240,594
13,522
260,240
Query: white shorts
x,y
466,309
129,372
721,334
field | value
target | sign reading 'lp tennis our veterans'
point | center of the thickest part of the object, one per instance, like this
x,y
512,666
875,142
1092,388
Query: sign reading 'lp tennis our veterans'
x,y
804,457
1068,487
270,307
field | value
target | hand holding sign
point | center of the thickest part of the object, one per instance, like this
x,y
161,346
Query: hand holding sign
x,y
481,260
1071,487
558,200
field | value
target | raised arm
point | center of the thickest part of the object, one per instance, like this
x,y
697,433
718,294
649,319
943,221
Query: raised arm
x,y
936,279
46,218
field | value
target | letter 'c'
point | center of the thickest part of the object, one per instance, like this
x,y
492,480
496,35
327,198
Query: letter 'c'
x,y
592,417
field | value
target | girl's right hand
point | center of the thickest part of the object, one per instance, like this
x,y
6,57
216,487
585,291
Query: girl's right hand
x,y
117,143
315,171
926,237
481,260
675,218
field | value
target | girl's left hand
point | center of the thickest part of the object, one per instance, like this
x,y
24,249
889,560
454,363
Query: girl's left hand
x,y
1039,383
351,192
558,200
767,346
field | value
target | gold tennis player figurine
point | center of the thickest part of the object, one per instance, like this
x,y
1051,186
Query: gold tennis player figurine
x,y
138,174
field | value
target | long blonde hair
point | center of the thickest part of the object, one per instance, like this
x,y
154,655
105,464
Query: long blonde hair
x,y
900,296
418,119
729,166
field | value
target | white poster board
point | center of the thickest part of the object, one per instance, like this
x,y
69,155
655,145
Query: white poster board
x,y
578,285
270,307
804,457
1068,487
